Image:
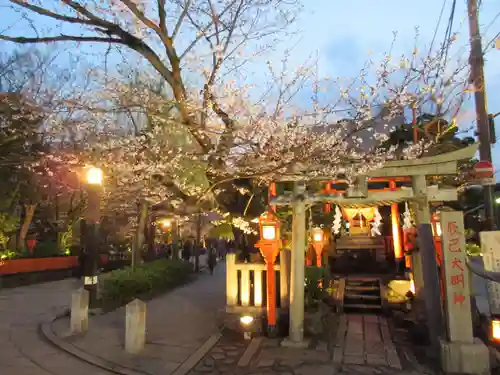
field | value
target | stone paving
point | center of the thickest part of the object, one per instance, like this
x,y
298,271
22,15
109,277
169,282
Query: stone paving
x,y
360,344
22,350
222,358
365,339
177,324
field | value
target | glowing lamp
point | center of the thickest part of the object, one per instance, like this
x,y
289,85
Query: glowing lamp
x,y
246,320
268,226
317,235
268,232
497,201
165,223
94,176
495,330
269,245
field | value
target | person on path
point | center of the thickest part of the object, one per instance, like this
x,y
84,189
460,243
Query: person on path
x,y
186,251
212,259
82,258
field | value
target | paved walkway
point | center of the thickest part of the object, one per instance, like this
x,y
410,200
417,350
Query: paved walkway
x,y
359,344
22,350
178,324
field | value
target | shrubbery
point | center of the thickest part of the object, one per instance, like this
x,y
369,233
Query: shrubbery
x,y
143,281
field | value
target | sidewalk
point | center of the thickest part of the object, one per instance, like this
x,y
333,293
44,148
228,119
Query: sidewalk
x,y
22,350
178,324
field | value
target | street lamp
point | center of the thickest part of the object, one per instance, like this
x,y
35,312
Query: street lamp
x,y
94,177
269,246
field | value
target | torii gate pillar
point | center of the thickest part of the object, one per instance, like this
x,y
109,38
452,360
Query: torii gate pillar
x,y
296,334
426,258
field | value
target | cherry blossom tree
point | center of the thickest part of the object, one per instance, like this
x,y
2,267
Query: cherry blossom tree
x,y
211,124
34,117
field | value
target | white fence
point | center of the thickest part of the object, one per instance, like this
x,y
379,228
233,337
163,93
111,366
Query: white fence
x,y
245,284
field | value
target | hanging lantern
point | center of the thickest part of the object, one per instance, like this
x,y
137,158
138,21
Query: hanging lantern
x,y
318,242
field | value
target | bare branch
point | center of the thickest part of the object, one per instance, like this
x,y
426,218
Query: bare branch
x,y
48,13
60,38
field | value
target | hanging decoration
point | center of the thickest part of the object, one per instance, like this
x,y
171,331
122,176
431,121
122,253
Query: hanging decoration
x,y
407,220
337,221
377,221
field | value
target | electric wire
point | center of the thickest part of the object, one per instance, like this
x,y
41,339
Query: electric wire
x,y
436,29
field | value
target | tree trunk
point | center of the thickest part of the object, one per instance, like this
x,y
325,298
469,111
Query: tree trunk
x,y
139,234
149,233
29,212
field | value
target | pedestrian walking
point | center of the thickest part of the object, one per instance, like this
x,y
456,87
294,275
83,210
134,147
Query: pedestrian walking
x,y
212,259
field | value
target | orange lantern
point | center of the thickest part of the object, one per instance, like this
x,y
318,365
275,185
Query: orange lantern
x,y
318,242
269,245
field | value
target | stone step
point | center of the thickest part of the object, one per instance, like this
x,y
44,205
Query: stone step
x,y
362,296
360,306
362,288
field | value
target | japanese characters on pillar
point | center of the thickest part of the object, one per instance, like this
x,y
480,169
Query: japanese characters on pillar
x,y
457,291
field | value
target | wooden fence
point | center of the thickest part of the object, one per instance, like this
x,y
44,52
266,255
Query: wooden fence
x,y
246,284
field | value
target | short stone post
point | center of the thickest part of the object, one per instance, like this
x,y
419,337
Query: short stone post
x,y
79,320
461,352
135,326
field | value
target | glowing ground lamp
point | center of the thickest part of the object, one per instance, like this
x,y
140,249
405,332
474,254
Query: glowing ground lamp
x,y
246,322
269,245
495,330
318,242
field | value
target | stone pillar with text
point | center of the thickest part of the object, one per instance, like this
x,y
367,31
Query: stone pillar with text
x,y
461,352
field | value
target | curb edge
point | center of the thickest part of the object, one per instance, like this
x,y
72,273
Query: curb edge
x,y
48,334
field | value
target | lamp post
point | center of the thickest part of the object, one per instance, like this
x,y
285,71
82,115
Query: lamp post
x,y
269,245
92,218
318,242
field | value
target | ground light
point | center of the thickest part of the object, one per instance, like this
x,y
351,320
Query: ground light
x,y
495,330
246,323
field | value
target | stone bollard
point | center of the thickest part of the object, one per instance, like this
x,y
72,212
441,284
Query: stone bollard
x,y
135,326
79,321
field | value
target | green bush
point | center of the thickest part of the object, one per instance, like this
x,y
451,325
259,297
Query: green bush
x,y
119,287
44,249
313,291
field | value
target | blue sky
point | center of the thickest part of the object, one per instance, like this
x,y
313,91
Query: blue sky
x,y
343,32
